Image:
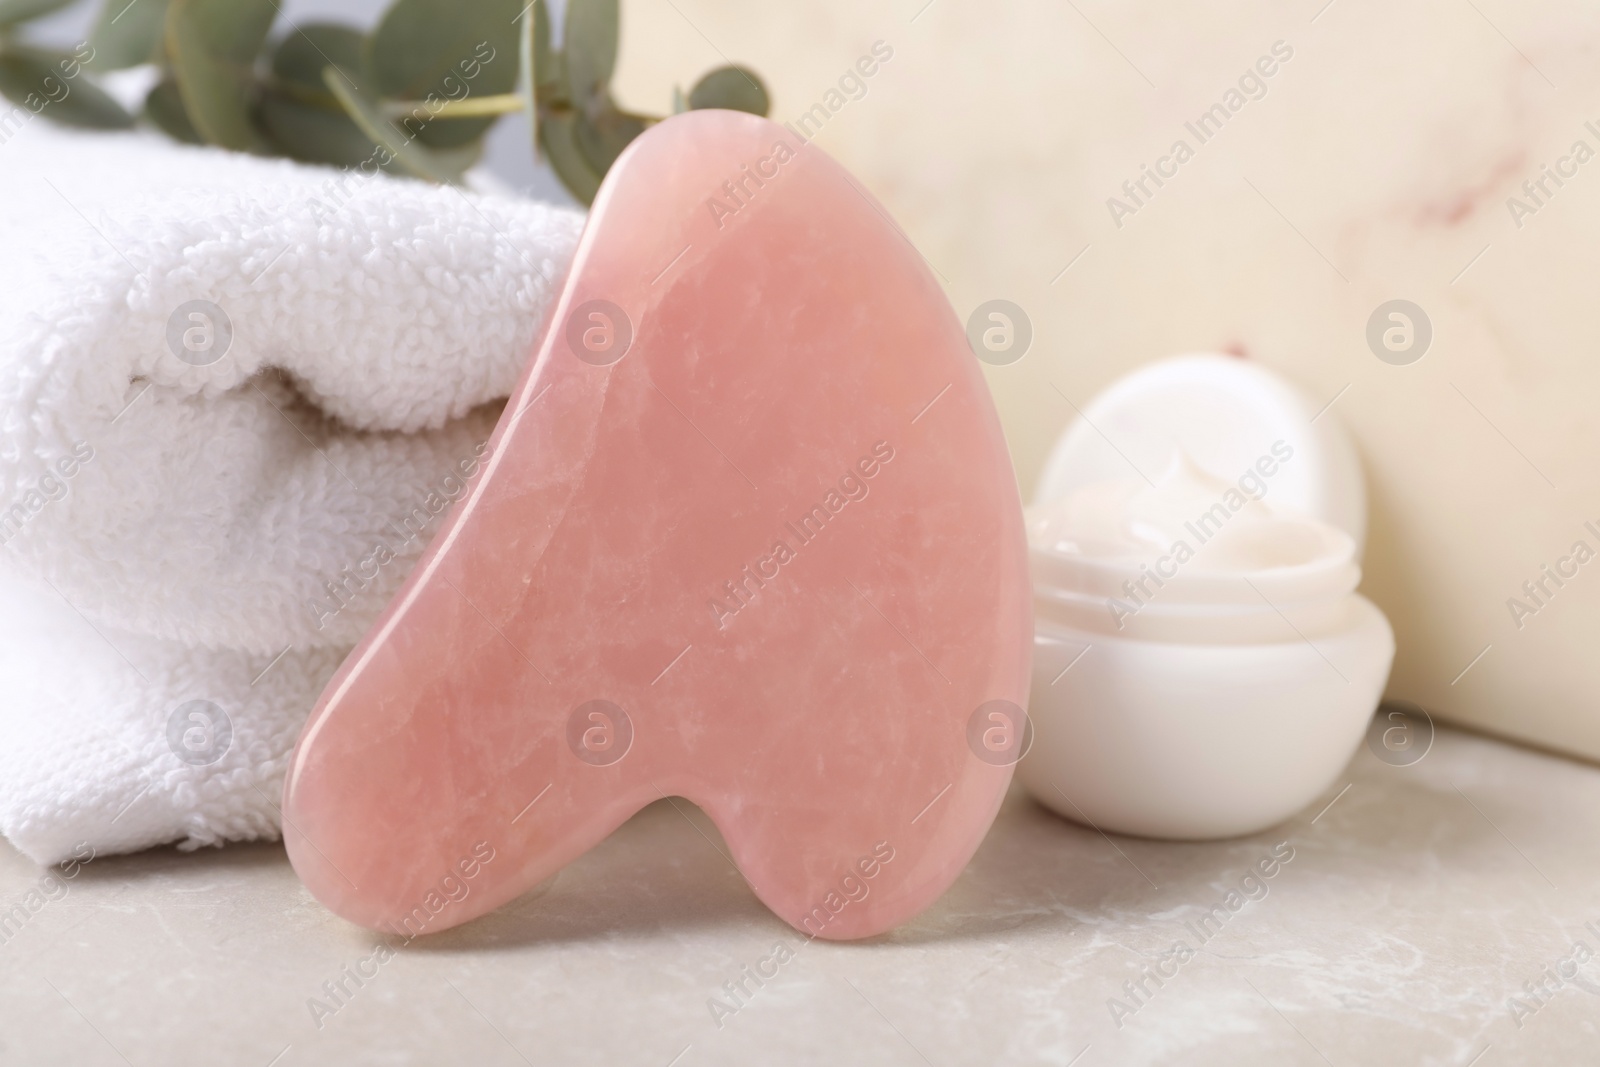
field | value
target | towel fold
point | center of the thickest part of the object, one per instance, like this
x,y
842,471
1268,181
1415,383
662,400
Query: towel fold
x,y
236,394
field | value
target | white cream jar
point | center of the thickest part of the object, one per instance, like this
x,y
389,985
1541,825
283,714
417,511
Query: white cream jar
x,y
1203,666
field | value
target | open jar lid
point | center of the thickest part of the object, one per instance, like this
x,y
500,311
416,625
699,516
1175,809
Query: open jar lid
x,y
1225,413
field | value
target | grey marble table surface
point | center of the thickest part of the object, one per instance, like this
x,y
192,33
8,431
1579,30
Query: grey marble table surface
x,y
1429,914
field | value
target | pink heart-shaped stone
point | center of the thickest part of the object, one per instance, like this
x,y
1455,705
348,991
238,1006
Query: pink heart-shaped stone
x,y
747,533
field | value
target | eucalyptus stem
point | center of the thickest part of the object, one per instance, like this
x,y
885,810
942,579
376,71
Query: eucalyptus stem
x,y
465,108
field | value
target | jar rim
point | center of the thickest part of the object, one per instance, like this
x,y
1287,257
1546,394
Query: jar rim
x,y
1331,574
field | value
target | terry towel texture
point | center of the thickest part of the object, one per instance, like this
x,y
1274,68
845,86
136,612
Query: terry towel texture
x,y
174,530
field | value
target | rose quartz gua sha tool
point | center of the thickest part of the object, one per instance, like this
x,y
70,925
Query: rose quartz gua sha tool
x,y
747,533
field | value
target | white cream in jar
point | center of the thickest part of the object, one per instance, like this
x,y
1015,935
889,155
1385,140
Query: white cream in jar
x,y
1203,666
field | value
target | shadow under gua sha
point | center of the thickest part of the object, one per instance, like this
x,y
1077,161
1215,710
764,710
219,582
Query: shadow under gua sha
x,y
747,533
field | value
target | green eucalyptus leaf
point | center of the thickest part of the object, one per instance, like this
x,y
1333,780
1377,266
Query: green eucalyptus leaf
x,y
213,46
299,112
590,47
566,158
127,33
12,11
163,106
311,132
445,50
456,161
441,165
733,89
602,138
299,59
549,66
680,103
53,84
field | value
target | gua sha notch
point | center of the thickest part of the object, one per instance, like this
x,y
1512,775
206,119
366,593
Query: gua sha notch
x,y
747,533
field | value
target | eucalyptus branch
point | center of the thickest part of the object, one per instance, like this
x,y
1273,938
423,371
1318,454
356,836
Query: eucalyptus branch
x,y
414,94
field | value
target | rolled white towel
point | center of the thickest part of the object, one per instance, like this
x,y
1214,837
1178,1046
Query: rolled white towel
x,y
192,538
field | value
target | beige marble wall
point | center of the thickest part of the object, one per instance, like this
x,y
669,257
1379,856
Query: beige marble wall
x,y
1377,165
